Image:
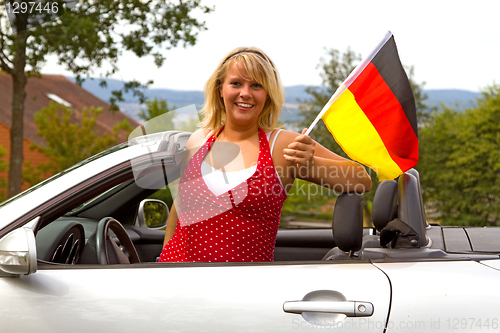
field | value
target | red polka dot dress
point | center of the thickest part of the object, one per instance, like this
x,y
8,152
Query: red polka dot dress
x,y
238,225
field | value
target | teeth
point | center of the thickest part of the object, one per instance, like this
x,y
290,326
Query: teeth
x,y
244,105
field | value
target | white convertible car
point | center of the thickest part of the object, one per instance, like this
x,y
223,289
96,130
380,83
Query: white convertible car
x,y
78,254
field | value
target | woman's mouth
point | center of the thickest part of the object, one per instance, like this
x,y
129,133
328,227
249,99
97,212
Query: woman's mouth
x,y
244,105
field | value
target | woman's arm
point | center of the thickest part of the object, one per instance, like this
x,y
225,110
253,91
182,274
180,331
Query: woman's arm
x,y
339,175
171,224
306,159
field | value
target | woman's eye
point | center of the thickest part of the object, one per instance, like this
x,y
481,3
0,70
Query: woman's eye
x,y
235,83
257,85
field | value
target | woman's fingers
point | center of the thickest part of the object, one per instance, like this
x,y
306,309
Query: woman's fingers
x,y
298,146
306,139
301,151
297,152
296,159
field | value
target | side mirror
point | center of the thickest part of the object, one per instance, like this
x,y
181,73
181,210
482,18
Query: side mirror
x,y
18,252
152,214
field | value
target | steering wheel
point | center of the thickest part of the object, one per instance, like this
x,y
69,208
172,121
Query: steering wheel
x,y
106,249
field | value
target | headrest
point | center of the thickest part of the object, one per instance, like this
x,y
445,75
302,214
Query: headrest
x,y
385,208
348,222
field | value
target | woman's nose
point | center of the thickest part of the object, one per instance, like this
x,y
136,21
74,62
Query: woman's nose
x,y
245,91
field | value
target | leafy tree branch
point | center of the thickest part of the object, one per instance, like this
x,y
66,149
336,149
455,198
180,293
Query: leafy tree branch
x,y
87,37
68,141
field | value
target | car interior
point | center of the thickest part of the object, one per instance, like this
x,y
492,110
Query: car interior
x,y
107,226
401,228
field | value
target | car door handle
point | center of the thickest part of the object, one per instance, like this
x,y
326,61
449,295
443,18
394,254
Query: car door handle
x,y
348,308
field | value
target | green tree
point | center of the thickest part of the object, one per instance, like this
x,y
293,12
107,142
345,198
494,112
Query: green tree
x,y
88,36
158,116
333,71
156,108
423,111
155,214
308,202
190,124
67,142
460,162
335,68
308,199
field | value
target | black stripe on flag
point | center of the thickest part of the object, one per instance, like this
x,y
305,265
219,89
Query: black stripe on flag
x,y
389,67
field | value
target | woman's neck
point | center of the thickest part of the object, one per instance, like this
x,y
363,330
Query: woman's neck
x,y
237,134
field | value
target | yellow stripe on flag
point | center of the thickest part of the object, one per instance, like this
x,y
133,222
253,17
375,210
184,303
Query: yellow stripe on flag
x,y
354,132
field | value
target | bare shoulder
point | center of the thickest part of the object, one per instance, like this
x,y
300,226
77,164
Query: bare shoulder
x,y
197,138
281,141
194,143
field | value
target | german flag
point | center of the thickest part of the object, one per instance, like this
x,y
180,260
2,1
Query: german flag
x,y
372,116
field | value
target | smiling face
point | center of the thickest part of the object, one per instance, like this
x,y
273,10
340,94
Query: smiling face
x,y
244,98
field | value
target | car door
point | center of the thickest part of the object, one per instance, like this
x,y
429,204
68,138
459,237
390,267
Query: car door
x,y
179,297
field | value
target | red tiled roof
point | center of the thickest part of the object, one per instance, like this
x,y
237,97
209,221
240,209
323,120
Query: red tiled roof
x,y
36,98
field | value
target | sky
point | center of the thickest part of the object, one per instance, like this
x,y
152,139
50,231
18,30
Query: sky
x,y
451,44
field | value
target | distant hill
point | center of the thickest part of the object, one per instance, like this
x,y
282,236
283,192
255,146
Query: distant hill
x,y
458,99
174,97
451,98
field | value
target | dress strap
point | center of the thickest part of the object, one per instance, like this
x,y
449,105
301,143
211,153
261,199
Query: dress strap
x,y
214,136
274,140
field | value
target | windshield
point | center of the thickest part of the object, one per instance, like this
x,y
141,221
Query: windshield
x,y
89,202
62,173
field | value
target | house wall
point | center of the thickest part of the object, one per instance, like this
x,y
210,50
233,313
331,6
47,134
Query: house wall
x,y
37,92
33,156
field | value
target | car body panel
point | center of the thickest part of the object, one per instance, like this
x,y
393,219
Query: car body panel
x,y
184,298
442,296
491,263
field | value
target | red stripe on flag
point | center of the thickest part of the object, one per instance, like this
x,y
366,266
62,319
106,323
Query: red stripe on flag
x,y
384,111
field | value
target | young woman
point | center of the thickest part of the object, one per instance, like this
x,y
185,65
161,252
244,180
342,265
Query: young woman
x,y
240,167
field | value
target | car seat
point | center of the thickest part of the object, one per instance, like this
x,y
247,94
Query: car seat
x,y
397,215
347,226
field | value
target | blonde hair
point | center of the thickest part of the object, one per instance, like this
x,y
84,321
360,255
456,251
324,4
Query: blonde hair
x,y
259,68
